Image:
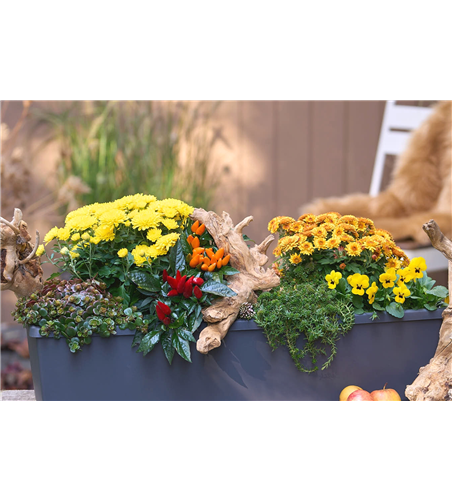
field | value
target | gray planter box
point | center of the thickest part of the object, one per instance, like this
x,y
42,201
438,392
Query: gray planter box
x,y
373,353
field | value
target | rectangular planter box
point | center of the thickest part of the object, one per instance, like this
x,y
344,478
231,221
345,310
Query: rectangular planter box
x,y
373,353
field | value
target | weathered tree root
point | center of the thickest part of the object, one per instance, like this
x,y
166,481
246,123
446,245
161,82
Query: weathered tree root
x,y
21,270
434,382
249,261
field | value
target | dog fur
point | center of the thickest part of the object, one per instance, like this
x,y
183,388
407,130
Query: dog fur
x,y
420,186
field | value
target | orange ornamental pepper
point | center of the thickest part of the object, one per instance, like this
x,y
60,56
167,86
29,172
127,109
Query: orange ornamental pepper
x,y
198,250
210,252
204,267
206,260
195,261
213,260
212,267
195,242
219,263
190,239
226,259
195,226
219,253
201,229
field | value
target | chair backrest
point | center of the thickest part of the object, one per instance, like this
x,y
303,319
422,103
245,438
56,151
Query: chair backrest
x,y
398,123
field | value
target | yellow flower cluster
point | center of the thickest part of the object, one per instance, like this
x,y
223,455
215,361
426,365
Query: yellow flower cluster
x,y
329,231
101,222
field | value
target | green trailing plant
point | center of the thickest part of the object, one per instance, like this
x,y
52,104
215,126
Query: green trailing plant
x,y
119,148
307,317
76,310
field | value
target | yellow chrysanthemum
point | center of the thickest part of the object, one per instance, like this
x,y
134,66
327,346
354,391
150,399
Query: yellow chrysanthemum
x,y
164,243
146,219
140,253
273,225
170,224
64,234
333,279
371,291
308,219
401,292
51,235
295,258
393,263
320,243
153,234
319,232
81,222
328,226
288,243
296,227
353,249
333,242
369,243
306,248
75,237
105,233
113,217
349,220
40,250
123,252
277,251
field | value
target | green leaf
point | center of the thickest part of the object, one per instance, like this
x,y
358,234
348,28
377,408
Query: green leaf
x,y
178,323
54,275
145,280
138,337
177,257
357,301
167,345
395,309
123,293
182,347
216,288
229,271
439,291
378,307
195,319
430,307
186,335
128,311
149,341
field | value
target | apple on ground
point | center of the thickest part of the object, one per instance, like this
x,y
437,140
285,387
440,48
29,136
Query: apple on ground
x,y
385,395
360,395
347,391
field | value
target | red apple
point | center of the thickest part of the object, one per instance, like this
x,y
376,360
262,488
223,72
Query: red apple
x,y
385,395
347,391
360,395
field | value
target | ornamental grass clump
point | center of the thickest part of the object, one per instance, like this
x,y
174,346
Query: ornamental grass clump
x,y
150,256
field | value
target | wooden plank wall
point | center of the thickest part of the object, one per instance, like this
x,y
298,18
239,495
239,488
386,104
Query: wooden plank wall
x,y
282,154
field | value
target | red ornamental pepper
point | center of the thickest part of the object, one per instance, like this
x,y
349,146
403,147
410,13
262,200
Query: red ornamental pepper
x,y
197,292
165,276
188,290
198,281
167,321
164,308
181,284
172,282
173,293
163,312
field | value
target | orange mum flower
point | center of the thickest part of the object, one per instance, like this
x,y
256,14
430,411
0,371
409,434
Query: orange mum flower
x,y
306,248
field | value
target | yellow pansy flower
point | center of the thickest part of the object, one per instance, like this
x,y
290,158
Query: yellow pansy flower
x,y
401,292
417,265
387,279
371,291
405,275
333,279
358,282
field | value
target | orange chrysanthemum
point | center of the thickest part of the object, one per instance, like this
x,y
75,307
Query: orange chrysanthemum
x,y
306,248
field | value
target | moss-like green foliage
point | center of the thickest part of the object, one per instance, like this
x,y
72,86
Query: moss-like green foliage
x,y
304,306
76,309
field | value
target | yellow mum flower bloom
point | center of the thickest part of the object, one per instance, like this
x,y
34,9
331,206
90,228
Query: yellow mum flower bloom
x,y
113,217
139,254
75,237
51,235
417,265
170,224
146,219
123,252
295,258
40,250
333,279
359,283
371,291
296,227
64,251
74,255
81,222
288,243
273,225
401,293
320,243
95,240
333,242
350,220
64,234
105,233
387,279
277,251
306,248
164,243
308,218
393,263
154,234
353,249
86,236
328,226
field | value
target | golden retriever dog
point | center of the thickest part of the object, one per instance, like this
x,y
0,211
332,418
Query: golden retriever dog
x,y
420,186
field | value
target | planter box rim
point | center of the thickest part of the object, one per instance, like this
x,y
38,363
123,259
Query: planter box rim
x,y
243,325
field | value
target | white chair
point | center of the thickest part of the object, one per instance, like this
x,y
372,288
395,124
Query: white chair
x,y
398,123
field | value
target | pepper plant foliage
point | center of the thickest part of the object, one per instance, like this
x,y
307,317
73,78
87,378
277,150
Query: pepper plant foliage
x,y
163,269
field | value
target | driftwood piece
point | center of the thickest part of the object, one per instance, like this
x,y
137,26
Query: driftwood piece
x,y
21,270
253,276
434,382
